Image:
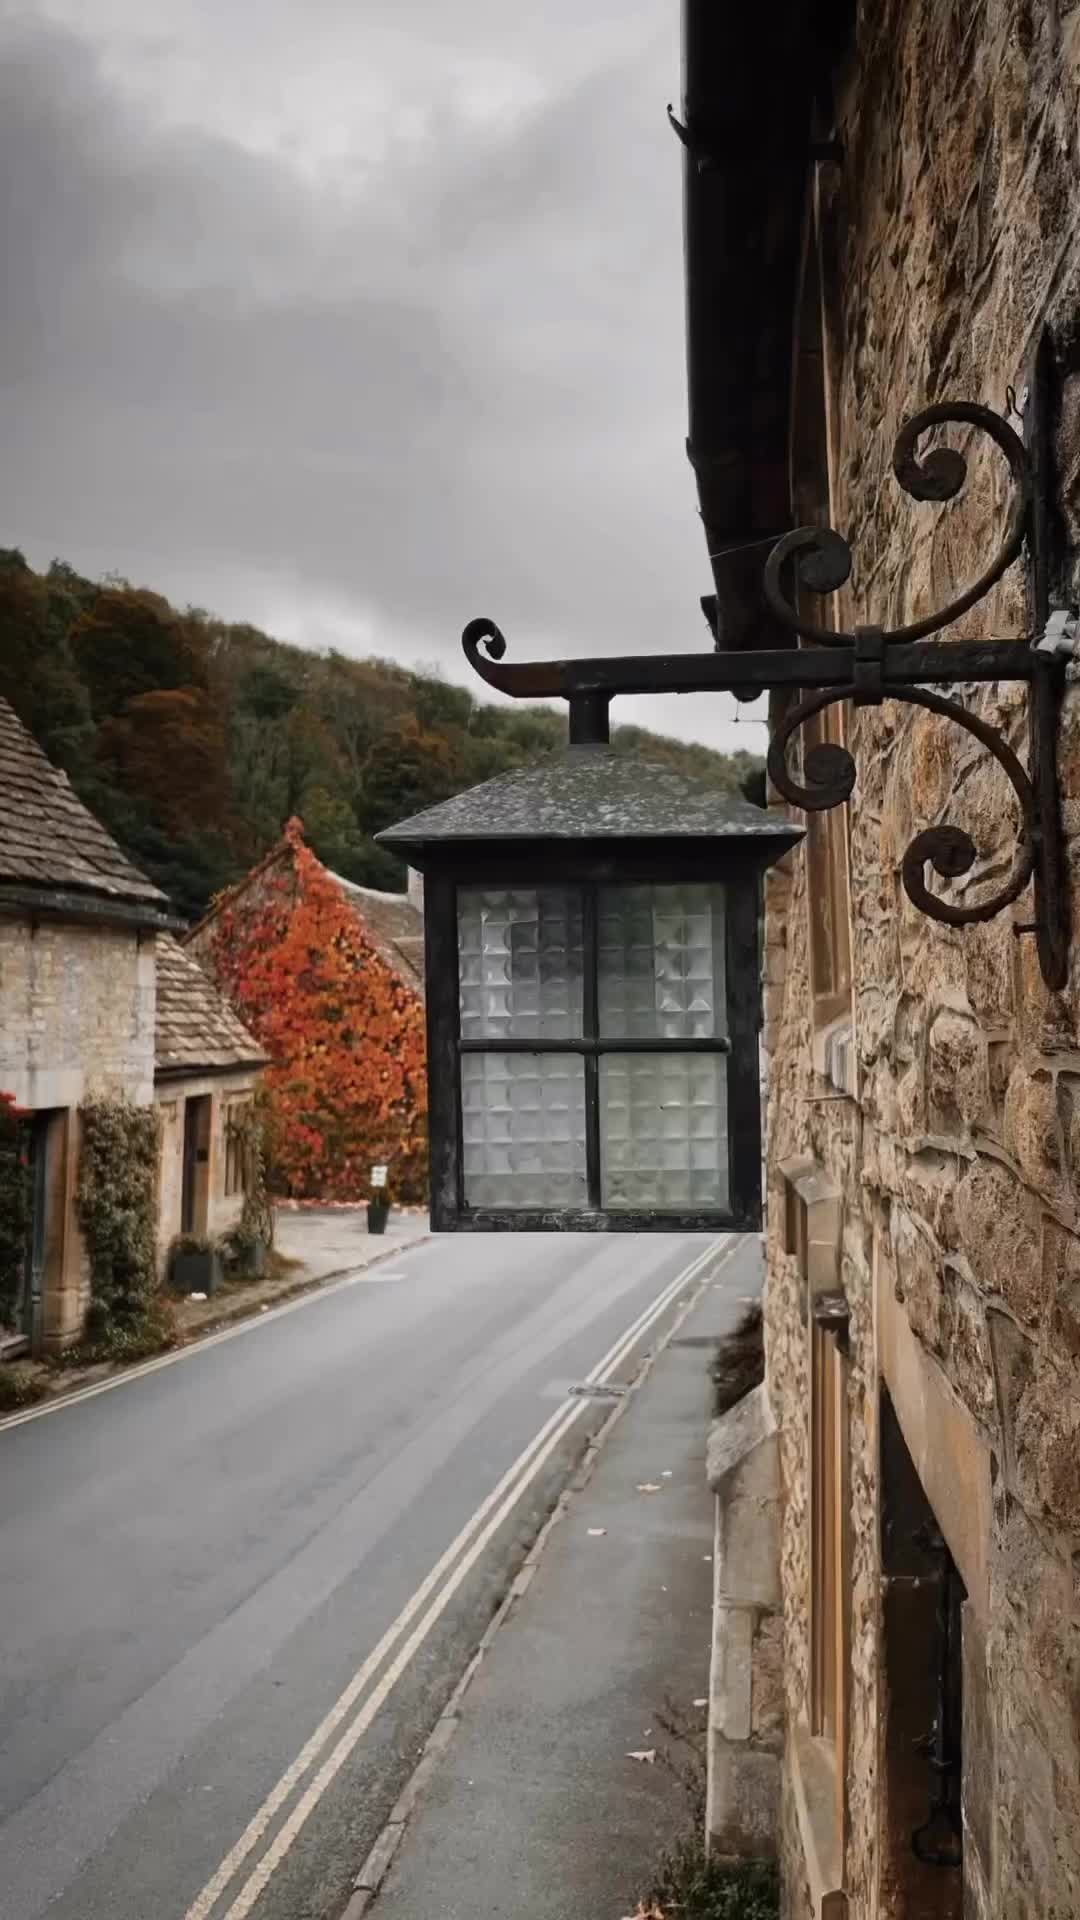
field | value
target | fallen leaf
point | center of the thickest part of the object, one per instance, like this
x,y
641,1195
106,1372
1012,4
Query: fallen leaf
x,y
645,1754
650,1486
597,1533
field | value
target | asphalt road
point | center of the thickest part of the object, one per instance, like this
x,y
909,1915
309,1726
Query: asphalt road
x,y
236,1593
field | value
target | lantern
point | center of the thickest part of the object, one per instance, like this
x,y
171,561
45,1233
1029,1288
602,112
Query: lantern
x,y
593,997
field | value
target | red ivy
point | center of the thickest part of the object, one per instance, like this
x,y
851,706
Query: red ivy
x,y
347,1081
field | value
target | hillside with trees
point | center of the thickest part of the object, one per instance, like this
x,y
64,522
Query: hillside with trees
x,y
194,740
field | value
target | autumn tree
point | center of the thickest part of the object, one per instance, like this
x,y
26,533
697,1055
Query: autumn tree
x,y
347,1084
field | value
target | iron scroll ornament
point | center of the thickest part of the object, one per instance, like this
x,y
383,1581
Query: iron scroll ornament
x,y
822,562
868,666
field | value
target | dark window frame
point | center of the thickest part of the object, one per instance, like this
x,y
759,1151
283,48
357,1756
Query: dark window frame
x,y
449,1208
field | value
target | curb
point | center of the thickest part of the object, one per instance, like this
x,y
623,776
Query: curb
x,y
248,1312
114,1375
369,1880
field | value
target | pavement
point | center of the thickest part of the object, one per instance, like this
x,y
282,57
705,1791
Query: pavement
x,y
240,1586
332,1240
546,1795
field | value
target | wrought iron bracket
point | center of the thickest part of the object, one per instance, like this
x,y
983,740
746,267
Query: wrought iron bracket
x,y
873,664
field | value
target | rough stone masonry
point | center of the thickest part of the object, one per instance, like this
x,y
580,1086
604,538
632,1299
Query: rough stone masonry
x,y
952,226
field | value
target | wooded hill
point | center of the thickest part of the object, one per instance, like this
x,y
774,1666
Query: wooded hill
x,y
194,741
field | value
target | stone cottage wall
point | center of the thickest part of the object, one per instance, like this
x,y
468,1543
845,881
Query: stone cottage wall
x,y
955,223
222,1210
77,1009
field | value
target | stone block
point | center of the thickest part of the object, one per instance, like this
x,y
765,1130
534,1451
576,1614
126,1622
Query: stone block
x,y
743,1802
1047,1442
1061,1265
968,1359
998,1232
767,1682
958,1082
1032,1130
919,1278
744,1473
730,1673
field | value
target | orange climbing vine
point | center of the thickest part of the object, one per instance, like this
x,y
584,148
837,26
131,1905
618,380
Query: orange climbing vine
x,y
347,1084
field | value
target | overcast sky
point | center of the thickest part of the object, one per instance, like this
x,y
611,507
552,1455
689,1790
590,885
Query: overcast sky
x,y
356,318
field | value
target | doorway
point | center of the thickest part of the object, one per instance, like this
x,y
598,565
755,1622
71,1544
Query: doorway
x,y
195,1190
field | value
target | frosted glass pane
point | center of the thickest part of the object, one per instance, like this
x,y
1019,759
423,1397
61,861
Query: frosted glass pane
x,y
663,1130
661,963
520,963
523,1129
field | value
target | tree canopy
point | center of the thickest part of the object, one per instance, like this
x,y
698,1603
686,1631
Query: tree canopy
x,y
195,741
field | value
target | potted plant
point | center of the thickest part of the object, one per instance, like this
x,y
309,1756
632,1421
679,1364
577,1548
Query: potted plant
x,y
378,1206
194,1265
245,1252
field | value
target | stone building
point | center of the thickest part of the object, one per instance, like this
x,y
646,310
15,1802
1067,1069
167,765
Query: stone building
x,y
882,213
206,1072
78,925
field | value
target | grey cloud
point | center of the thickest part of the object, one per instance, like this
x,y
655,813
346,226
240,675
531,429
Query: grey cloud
x,y
455,387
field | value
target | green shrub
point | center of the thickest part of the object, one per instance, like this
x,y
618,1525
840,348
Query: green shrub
x,y
692,1887
739,1365
117,1202
19,1388
14,1205
106,1341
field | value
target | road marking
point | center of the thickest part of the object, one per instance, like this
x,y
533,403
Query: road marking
x,y
315,1293
484,1523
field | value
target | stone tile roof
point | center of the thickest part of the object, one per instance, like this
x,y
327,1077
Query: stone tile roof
x,y
48,840
396,926
197,1030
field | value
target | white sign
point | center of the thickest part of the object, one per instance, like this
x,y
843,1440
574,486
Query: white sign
x,y
378,1176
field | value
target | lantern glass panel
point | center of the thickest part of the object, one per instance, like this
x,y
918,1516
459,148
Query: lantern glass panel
x,y
520,963
523,1129
663,1130
660,961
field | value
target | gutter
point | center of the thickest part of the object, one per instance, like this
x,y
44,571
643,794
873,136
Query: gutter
x,y
751,76
57,903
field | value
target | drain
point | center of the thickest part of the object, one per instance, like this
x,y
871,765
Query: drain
x,y
592,1390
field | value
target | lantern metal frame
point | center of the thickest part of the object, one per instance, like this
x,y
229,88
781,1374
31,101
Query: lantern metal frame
x,y
873,664
660,828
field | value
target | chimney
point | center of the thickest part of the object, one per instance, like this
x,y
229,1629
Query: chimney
x,y
416,889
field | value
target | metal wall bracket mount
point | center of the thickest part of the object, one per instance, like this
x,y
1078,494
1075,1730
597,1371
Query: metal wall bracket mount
x,y
873,664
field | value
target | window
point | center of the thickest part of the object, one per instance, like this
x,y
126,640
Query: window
x,y
593,1047
235,1149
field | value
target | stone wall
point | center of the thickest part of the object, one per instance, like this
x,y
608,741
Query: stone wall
x,y
954,224
77,1008
222,1210
76,1012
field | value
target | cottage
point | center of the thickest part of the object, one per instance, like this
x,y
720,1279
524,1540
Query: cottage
x,y
881,215
206,1071
78,925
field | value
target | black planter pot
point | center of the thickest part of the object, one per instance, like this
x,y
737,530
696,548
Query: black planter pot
x,y
196,1272
377,1214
